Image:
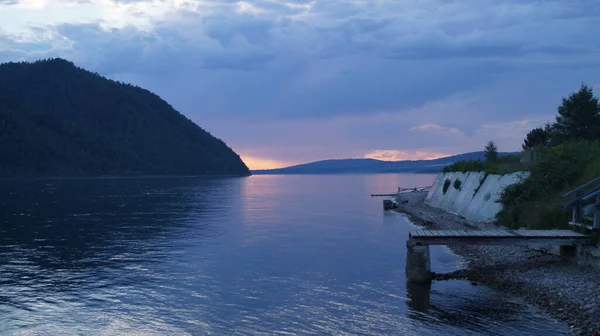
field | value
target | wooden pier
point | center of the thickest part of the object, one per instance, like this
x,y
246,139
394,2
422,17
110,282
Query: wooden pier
x,y
496,237
418,264
419,189
403,190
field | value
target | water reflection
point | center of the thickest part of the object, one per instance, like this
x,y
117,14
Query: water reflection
x,y
300,255
418,296
458,304
66,222
262,195
53,230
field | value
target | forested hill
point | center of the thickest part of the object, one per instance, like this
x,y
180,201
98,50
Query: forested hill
x,y
59,120
372,166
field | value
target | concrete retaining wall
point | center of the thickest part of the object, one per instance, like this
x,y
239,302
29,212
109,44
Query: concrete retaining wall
x,y
476,199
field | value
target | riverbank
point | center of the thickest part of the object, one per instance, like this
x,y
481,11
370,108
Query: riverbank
x,y
562,289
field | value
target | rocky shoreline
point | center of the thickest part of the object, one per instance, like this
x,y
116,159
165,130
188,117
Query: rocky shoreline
x,y
567,291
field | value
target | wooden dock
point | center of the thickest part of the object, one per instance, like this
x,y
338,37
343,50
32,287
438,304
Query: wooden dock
x,y
585,204
496,237
418,263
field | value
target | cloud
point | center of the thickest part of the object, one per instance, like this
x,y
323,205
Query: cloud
x,y
385,136
435,128
397,155
431,76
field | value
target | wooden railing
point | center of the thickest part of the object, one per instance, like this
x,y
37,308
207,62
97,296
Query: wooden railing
x,y
581,197
420,189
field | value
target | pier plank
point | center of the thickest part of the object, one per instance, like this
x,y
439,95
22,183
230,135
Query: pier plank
x,y
460,233
497,237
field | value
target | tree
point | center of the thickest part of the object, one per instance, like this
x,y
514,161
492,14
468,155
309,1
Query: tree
x,y
553,138
536,137
578,116
491,152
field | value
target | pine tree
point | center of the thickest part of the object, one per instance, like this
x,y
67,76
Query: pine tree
x,y
491,152
536,137
579,116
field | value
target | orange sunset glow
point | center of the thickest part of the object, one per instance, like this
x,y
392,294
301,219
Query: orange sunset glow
x,y
254,162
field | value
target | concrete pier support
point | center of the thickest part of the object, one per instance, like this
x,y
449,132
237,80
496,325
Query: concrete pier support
x,y
418,263
568,252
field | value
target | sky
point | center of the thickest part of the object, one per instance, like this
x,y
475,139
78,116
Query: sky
x,y
288,82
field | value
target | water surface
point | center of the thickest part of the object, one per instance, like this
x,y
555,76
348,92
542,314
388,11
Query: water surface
x,y
231,256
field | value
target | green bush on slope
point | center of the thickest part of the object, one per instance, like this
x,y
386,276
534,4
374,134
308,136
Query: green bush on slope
x,y
503,165
564,154
535,203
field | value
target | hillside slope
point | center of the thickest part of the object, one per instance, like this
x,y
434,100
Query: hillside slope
x,y
372,166
59,120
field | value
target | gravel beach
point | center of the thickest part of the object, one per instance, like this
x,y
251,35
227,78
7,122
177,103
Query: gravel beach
x,y
562,289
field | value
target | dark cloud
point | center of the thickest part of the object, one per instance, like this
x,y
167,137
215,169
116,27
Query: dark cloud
x,y
466,70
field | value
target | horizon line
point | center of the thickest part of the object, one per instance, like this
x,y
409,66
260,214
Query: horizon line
x,y
382,160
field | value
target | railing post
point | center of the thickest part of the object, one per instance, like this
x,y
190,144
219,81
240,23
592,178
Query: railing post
x,y
577,212
596,225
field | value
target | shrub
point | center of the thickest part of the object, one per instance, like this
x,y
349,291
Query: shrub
x,y
465,166
503,165
535,202
536,137
446,186
457,184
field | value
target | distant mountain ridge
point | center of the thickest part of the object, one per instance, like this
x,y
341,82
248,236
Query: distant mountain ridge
x,y
373,166
57,119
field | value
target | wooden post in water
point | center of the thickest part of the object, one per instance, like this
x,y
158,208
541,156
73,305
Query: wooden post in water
x,y
418,263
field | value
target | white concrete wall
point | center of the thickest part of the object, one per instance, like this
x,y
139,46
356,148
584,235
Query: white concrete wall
x,y
480,206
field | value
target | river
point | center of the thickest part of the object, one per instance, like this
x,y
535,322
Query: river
x,y
275,255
